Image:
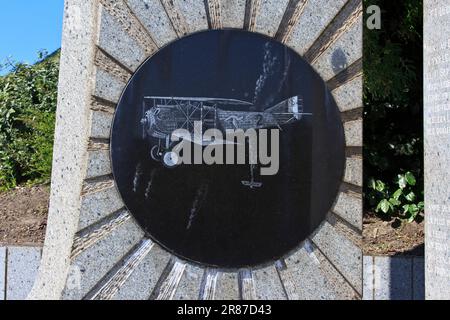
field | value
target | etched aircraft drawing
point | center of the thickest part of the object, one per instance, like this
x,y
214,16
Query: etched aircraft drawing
x,y
164,115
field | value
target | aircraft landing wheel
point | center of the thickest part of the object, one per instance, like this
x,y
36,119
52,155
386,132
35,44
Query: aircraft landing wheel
x,y
170,160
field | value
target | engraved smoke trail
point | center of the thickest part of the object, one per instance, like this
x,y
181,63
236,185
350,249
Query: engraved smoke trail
x,y
137,177
150,184
287,66
269,66
283,80
198,201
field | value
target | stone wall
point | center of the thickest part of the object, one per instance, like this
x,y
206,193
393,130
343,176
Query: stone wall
x,y
385,278
18,270
394,278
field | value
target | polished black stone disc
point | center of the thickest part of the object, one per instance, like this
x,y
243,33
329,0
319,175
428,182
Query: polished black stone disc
x,y
229,216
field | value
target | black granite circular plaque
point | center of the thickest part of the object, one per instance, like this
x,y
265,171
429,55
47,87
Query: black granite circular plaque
x,y
228,215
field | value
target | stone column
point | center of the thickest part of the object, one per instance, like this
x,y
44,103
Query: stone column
x,y
70,150
437,147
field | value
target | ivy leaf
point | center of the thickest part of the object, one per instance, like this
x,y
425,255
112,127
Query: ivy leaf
x,y
411,209
406,208
421,205
380,186
384,206
372,184
395,202
397,194
410,179
412,218
410,197
402,183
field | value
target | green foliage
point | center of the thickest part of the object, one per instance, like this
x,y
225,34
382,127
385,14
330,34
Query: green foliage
x,y
27,118
393,146
403,202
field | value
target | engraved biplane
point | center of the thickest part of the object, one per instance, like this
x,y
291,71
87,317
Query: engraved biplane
x,y
164,115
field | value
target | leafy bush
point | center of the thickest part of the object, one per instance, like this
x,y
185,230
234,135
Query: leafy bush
x,y
393,120
402,202
27,119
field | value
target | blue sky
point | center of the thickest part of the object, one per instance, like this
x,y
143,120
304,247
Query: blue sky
x,y
27,26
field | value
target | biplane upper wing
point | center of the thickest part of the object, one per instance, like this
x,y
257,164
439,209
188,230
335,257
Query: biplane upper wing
x,y
218,101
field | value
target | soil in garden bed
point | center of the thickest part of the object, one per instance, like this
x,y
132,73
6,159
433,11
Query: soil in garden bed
x,y
23,220
23,215
392,237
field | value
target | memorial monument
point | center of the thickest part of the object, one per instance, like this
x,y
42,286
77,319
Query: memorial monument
x,y
131,217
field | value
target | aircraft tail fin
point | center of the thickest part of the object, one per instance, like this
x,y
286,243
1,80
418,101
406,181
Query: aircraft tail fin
x,y
288,110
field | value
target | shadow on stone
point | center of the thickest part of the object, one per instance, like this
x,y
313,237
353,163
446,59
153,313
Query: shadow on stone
x,y
418,251
338,61
407,278
400,286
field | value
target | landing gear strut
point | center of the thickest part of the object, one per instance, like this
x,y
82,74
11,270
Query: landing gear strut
x,y
156,153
